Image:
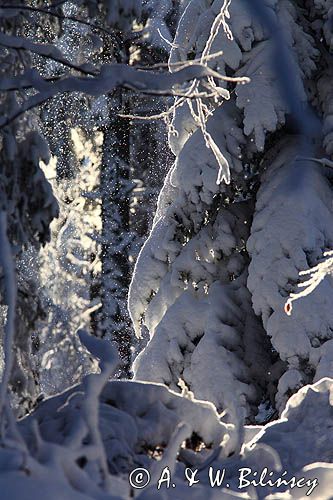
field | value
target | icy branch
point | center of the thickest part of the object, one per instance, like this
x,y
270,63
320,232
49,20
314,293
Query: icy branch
x,y
317,274
110,77
202,111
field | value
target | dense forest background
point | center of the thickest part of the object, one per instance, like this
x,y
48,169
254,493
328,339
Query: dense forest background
x,y
166,243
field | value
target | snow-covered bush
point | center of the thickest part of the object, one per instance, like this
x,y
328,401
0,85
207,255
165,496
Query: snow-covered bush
x,y
75,447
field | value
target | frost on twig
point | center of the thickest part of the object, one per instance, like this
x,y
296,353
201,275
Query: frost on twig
x,y
317,274
202,109
203,96
193,82
320,271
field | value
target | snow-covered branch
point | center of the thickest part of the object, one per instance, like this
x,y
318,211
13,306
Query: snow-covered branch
x,y
317,274
282,59
109,78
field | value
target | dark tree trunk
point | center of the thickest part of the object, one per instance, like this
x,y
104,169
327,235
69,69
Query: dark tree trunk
x,y
112,318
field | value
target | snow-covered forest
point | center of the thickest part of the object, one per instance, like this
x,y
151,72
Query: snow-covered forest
x,y
166,249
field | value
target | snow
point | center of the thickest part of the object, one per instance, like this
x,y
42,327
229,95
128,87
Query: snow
x,y
299,442
191,187
108,78
13,484
292,226
156,32
192,323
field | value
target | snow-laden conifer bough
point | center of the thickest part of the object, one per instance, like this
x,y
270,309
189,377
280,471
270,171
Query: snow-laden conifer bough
x,y
210,283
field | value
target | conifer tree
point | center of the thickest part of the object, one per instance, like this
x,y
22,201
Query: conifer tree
x,y
261,142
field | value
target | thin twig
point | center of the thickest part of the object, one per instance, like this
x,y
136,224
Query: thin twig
x,y
323,161
180,64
